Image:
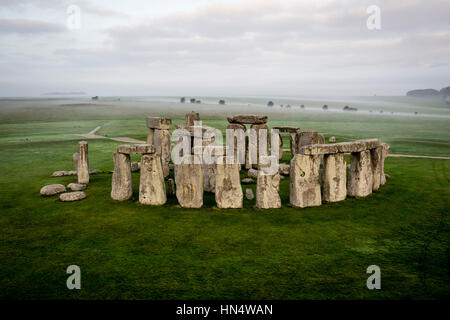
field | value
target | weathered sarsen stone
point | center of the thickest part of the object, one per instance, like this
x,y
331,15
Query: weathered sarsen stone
x,y
136,149
267,188
305,181
247,119
171,187
76,160
228,185
384,155
360,177
52,189
162,140
72,196
255,144
152,189
376,156
122,183
158,123
83,164
334,177
191,118
189,182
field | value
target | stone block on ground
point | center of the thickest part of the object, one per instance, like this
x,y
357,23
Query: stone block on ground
x,y
76,186
52,189
72,196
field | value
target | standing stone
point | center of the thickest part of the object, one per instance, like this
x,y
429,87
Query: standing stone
x,y
384,155
293,142
267,188
280,148
151,136
257,128
76,160
209,177
305,181
122,183
171,187
83,164
152,189
360,177
334,177
376,157
249,194
306,138
189,184
239,130
228,185
162,139
191,117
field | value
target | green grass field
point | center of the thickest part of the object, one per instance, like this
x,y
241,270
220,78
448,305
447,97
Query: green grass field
x,y
130,251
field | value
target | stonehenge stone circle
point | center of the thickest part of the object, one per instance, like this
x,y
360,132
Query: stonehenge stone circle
x,y
305,181
122,183
83,164
360,176
334,179
152,189
267,188
189,184
228,185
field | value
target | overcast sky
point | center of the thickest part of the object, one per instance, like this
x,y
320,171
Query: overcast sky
x,y
223,47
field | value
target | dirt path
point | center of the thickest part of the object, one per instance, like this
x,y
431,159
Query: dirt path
x,y
416,156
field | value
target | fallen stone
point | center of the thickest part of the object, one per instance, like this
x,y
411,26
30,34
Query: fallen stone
x,y
249,194
64,173
284,169
152,189
334,179
52,189
248,181
83,164
95,171
267,188
189,184
360,176
122,183
76,186
72,196
228,186
305,181
247,119
158,123
252,173
136,149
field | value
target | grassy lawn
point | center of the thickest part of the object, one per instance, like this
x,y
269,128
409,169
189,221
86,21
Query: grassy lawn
x,y
130,251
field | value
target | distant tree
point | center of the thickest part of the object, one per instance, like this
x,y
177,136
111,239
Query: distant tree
x,y
270,104
325,107
221,101
302,106
183,100
192,100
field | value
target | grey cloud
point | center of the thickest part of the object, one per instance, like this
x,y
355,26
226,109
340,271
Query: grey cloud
x,y
26,26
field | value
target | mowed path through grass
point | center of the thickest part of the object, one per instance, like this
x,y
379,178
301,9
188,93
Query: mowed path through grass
x,y
129,251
